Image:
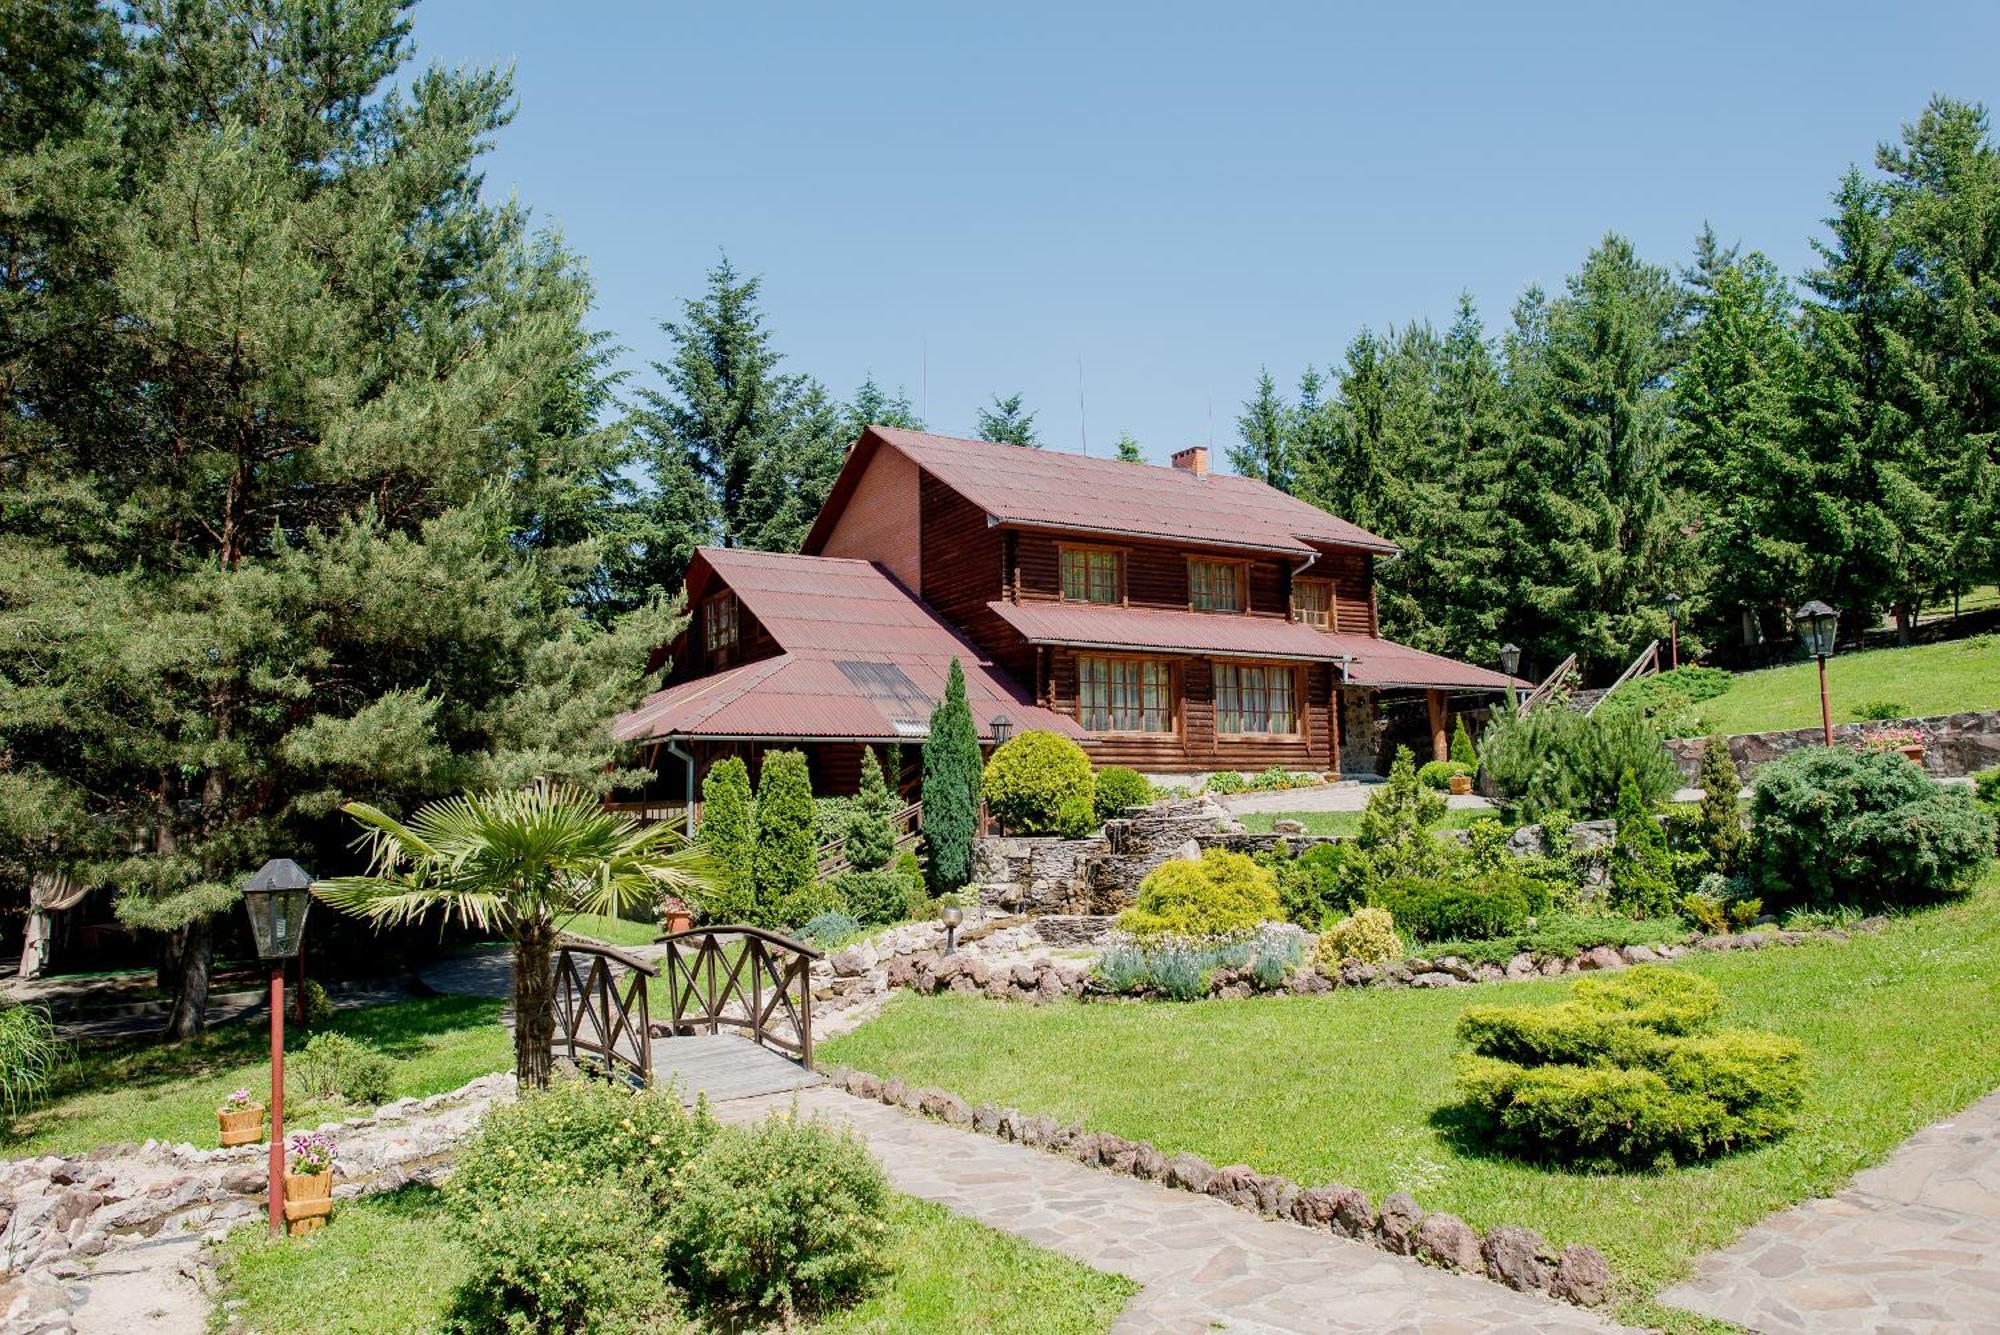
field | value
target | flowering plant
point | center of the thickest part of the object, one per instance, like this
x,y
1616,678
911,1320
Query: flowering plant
x,y
1889,739
309,1154
239,1100
672,904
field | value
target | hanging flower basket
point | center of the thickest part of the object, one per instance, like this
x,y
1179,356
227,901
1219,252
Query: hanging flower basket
x,y
308,1182
240,1119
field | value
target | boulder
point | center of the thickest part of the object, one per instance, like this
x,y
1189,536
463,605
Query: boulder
x,y
1601,957
1517,1257
1522,966
1398,1223
1639,954
1353,1217
1439,979
1551,968
1276,1196
1087,1148
1236,1184
1448,1241
1288,827
1190,1172
1314,1207
1038,1131
852,961
1150,1163
1582,1276
866,1085
1119,1155
893,1091
986,1119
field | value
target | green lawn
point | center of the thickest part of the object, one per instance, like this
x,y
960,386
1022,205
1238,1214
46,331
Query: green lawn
x,y
612,931
389,1264
1349,822
140,1089
1355,1087
1923,680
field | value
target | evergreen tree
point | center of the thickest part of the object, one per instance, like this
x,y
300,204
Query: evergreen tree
x,y
1395,831
1642,871
1127,451
871,838
874,406
1266,428
1463,752
729,833
299,495
1006,423
787,862
1720,818
951,783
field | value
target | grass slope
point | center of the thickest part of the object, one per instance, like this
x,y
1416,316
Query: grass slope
x,y
1924,680
1356,1087
1349,822
141,1089
388,1264
612,931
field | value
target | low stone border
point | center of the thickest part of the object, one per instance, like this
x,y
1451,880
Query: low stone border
x,y
1513,1256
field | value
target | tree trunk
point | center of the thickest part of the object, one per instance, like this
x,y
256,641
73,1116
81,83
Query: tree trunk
x,y
1905,618
534,1003
188,1015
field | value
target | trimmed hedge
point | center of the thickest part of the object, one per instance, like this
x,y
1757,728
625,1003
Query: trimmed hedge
x,y
1629,1072
1221,894
1041,783
1119,789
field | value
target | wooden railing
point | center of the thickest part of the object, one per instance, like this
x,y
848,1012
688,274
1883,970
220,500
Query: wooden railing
x,y
909,823
1550,684
742,978
603,1020
1645,665
652,813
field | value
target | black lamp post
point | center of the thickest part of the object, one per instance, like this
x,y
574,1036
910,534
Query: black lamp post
x,y
1510,663
1673,602
1816,624
276,899
1003,728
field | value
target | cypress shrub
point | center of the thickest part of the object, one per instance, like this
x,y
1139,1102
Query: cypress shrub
x,y
951,786
1719,823
871,835
1462,750
787,863
1395,826
729,832
1642,871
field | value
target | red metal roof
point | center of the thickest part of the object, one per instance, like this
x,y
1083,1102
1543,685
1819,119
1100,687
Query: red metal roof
x,y
1080,493
1369,661
862,660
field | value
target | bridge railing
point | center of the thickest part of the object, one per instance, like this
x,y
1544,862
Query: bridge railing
x,y
603,1017
744,978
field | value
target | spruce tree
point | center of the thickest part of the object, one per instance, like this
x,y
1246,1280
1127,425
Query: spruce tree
x,y
951,783
1395,826
787,861
1642,871
300,494
1720,818
874,406
1463,752
729,833
1006,423
1127,450
871,838
1265,426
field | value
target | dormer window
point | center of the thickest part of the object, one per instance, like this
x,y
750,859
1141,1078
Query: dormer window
x,y
1093,575
718,620
1312,603
1215,586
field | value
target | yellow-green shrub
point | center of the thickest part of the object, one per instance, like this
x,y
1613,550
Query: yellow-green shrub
x,y
1041,783
1367,935
1220,894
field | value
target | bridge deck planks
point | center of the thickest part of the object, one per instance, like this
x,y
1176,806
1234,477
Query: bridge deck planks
x,y
725,1067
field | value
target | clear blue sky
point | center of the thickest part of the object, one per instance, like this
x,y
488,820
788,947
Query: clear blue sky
x,y
1177,194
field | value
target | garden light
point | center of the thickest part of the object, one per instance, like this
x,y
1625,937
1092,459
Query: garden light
x,y
276,899
1673,602
951,916
1003,728
1816,624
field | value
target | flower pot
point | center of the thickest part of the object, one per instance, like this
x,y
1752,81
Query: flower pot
x,y
245,1126
1461,785
308,1200
679,920
1914,752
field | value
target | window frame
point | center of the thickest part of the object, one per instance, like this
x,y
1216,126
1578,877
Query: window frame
x,y
1242,569
1120,556
721,650
1299,706
1174,713
1332,603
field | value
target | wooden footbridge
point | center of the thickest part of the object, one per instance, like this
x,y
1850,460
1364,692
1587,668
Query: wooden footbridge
x,y
736,1021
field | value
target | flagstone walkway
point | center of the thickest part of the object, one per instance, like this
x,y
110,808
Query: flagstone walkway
x,y
1911,1246
1204,1265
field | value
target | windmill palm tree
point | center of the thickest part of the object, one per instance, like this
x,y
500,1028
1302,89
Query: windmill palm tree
x,y
519,863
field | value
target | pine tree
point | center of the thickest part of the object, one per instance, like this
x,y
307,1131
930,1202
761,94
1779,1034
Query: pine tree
x,y
1266,428
1127,450
1642,871
871,838
951,783
1720,818
787,861
1006,423
299,495
729,833
874,406
1395,826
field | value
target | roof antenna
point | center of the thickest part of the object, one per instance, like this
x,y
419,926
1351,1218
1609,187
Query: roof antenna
x,y
924,385
1211,419
1082,416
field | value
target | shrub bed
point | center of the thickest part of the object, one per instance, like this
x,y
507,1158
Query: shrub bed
x,y
1220,894
1119,790
1629,1072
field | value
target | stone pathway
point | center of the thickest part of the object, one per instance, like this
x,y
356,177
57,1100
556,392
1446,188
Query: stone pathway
x,y
1204,1265
1912,1245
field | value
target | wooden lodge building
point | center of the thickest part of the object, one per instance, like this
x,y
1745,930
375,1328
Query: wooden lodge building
x,y
1171,619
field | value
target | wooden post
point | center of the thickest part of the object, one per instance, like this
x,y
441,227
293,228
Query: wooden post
x,y
1440,742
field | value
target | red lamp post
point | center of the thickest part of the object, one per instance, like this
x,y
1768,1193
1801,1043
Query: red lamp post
x,y
276,899
1816,624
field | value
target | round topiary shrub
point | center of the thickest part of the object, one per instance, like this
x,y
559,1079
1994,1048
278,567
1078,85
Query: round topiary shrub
x,y
1367,935
1040,783
1219,894
1832,826
1119,789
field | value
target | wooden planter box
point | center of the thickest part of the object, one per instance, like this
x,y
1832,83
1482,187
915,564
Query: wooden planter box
x,y
1914,752
1461,785
240,1128
308,1200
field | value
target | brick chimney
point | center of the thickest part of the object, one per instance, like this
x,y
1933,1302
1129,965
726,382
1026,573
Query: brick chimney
x,y
1193,459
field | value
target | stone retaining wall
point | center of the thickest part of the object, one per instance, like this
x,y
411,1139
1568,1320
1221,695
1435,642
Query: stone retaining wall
x,y
1954,744
1516,1257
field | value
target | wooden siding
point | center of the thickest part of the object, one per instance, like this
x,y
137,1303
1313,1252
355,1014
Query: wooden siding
x,y
878,523
1193,744
1156,574
964,563
690,649
1353,577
